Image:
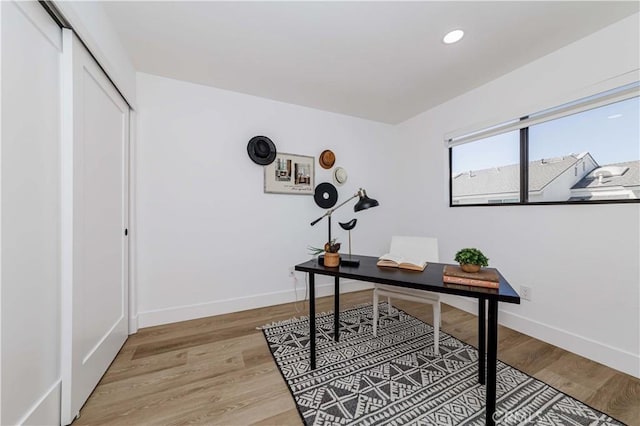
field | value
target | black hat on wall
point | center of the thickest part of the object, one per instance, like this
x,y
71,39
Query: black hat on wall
x,y
261,150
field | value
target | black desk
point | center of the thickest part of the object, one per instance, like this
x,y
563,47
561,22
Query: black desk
x,y
430,279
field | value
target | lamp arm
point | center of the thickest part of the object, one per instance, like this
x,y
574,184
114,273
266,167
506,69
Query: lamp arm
x,y
341,204
318,219
330,211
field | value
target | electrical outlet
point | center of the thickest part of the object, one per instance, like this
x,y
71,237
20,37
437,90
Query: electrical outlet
x,y
525,292
292,272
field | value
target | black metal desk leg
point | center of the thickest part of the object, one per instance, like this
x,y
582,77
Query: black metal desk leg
x,y
312,319
482,338
336,309
492,359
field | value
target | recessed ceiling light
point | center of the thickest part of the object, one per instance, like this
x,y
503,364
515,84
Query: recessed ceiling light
x,y
453,36
611,117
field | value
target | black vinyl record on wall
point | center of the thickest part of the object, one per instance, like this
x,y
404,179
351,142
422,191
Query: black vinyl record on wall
x,y
326,195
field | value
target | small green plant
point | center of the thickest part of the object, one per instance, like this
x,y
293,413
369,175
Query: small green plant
x,y
471,256
331,247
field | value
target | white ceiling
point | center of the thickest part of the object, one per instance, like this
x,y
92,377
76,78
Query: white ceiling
x,y
383,61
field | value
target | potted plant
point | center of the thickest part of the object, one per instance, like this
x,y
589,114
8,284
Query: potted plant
x,y
471,259
330,250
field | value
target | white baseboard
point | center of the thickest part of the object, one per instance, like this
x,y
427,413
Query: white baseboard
x,y
218,307
615,358
133,325
46,410
612,357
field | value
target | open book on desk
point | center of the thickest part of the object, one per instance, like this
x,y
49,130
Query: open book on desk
x,y
408,253
397,261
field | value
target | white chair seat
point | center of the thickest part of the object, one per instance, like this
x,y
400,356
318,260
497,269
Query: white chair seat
x,y
409,291
407,246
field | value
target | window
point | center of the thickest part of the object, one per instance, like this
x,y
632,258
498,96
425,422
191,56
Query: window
x,y
595,140
487,171
585,154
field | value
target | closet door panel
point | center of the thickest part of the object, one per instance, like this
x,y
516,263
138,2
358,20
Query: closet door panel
x,y
96,282
31,50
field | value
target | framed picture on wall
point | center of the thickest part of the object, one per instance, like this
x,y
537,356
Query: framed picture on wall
x,y
290,174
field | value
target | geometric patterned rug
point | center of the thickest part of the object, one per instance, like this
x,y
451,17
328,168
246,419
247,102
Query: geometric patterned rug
x,y
396,379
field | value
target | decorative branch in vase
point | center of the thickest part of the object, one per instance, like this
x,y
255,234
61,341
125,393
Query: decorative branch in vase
x,y
330,250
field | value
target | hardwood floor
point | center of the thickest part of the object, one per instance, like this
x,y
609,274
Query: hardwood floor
x,y
218,370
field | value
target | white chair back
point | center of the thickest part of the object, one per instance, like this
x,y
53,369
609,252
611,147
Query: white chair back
x,y
415,247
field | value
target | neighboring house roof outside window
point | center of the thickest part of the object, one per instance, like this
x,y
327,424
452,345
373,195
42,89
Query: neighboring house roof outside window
x,y
498,180
625,175
607,182
506,179
543,172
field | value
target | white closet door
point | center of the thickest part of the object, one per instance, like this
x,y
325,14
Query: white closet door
x,y
95,192
31,51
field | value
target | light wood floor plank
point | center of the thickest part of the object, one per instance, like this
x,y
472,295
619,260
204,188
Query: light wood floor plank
x,y
289,417
219,370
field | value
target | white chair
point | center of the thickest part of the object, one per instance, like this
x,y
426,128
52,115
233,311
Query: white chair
x,y
420,247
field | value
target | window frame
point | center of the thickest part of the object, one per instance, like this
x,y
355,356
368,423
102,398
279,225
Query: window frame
x,y
524,151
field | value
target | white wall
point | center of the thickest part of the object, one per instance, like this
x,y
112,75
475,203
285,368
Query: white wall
x,y
91,23
208,239
581,261
31,45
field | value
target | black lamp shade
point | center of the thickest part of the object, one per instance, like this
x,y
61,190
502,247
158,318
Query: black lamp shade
x,y
365,203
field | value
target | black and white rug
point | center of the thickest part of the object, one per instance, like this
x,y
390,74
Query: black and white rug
x,y
396,379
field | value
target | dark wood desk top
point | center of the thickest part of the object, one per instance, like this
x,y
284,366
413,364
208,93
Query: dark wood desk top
x,y
429,279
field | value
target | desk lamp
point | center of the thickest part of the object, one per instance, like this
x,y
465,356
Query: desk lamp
x,y
363,203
